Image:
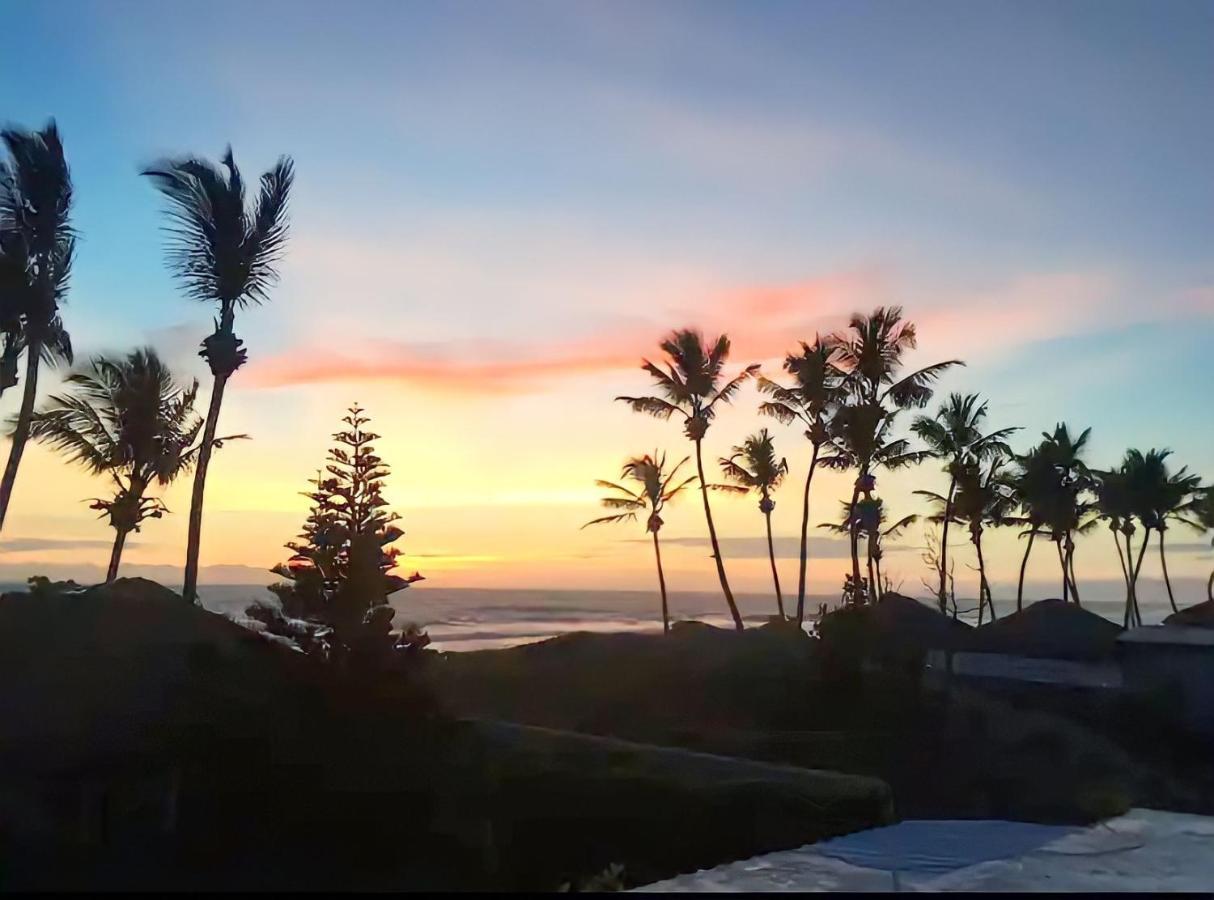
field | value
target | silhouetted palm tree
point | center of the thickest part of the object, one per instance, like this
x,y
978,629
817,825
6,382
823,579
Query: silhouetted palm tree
x,y
1176,500
869,353
1115,504
127,418
983,499
691,388
869,519
955,436
753,467
657,488
1204,509
37,246
1062,506
224,254
814,397
860,439
1032,485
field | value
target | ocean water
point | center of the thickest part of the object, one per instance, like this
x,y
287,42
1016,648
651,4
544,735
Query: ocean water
x,y
484,618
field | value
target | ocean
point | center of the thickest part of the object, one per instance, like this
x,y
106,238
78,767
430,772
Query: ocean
x,y
485,618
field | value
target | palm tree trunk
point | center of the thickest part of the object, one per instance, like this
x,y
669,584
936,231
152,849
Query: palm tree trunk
x,y
1125,575
189,588
21,433
880,582
657,552
854,538
1163,561
716,547
873,593
948,514
1210,588
775,575
1024,565
984,588
116,554
1142,552
1070,564
805,540
1066,582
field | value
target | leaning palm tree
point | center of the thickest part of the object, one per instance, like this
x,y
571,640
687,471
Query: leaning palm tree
x,y
127,418
870,353
691,388
37,246
815,395
955,436
657,488
753,467
224,254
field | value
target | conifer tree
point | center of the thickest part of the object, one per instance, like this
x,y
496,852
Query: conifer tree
x,y
340,573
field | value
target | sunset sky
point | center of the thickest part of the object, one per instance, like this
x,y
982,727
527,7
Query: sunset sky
x,y
500,207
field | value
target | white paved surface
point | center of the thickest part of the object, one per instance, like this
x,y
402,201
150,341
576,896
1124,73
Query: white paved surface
x,y
1144,850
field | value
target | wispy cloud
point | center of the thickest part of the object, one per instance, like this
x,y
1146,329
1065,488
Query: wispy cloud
x,y
33,545
756,548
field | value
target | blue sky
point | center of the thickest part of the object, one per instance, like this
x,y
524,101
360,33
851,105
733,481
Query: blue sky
x,y
528,183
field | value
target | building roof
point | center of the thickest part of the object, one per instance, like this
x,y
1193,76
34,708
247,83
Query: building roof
x,y
1049,629
902,620
1173,635
1200,616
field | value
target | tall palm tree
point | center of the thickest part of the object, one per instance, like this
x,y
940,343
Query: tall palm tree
x,y
860,439
753,467
224,254
37,246
815,395
870,353
127,418
1032,485
870,514
691,388
657,488
955,436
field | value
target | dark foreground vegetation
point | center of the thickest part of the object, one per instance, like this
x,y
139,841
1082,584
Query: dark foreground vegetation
x,y
775,694
171,748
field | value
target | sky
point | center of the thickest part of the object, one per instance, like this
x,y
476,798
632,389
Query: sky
x,y
500,208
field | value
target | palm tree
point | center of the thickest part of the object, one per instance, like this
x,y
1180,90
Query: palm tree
x,y
870,519
1031,485
690,391
37,246
753,467
812,400
955,435
982,499
127,418
657,488
860,439
224,254
870,354
1115,504
1204,510
1177,500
